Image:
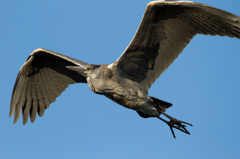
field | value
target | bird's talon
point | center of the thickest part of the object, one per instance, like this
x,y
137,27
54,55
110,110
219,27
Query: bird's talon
x,y
174,123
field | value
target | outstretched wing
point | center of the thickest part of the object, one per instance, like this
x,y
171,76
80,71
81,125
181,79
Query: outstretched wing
x,y
40,81
165,30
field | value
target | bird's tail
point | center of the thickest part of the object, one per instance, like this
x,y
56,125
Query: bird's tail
x,y
161,104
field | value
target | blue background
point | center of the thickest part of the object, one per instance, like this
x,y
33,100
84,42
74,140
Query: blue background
x,y
203,85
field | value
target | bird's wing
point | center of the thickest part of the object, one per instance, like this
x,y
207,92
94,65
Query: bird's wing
x,y
40,81
165,30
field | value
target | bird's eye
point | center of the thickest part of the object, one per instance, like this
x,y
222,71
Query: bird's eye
x,y
89,68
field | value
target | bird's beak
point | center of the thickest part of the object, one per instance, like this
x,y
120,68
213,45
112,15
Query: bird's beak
x,y
78,69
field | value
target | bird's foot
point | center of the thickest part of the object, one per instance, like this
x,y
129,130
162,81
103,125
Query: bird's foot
x,y
174,123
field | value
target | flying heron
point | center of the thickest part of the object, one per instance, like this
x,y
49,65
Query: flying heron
x,y
165,30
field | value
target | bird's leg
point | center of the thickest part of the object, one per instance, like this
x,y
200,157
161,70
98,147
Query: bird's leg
x,y
174,123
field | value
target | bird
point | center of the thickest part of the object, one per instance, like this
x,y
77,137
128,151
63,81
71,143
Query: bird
x,y
165,30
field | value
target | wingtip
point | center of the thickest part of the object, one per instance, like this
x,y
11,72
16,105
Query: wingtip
x,y
15,120
33,117
24,122
17,115
10,114
12,109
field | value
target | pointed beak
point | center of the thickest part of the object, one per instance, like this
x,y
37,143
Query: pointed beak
x,y
78,69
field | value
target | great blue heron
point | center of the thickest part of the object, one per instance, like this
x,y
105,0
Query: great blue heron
x,y
165,30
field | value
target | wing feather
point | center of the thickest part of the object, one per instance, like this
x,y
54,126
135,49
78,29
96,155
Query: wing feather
x,y
27,107
41,79
165,30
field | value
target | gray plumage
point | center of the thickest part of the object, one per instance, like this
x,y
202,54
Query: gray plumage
x,y
165,30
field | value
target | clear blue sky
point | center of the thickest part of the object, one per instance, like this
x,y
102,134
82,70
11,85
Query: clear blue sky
x,y
203,85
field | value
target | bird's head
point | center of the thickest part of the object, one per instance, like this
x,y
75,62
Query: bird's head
x,y
85,70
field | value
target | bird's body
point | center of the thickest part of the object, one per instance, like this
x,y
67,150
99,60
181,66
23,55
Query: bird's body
x,y
121,90
165,30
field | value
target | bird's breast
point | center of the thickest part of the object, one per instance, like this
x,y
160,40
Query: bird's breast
x,y
121,94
